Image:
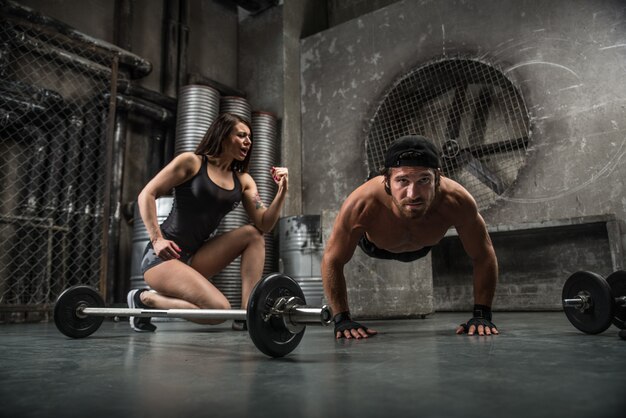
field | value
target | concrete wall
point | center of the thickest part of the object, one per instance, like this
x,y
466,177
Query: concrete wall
x,y
147,43
269,72
260,51
566,57
299,20
340,11
213,39
535,260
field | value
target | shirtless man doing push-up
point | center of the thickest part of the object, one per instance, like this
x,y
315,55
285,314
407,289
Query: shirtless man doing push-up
x,y
400,215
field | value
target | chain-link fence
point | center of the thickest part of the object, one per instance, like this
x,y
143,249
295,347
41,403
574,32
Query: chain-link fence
x,y
53,135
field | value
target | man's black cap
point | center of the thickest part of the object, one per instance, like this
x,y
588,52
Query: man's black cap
x,y
412,150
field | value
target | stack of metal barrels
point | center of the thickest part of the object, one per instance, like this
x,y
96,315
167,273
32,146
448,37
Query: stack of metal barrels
x,y
228,281
264,157
198,107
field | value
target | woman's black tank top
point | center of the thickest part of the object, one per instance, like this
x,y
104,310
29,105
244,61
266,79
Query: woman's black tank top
x,y
198,208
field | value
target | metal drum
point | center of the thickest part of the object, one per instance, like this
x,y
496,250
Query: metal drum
x,y
301,252
198,107
236,106
265,156
228,281
141,239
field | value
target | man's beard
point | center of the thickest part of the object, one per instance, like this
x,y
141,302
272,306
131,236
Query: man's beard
x,y
414,213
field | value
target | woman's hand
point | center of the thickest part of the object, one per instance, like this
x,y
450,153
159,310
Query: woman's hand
x,y
166,249
281,177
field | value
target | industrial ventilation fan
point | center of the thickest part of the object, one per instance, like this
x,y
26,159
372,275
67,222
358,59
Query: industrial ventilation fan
x,y
471,111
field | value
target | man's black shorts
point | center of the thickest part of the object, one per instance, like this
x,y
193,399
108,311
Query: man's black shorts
x,y
373,251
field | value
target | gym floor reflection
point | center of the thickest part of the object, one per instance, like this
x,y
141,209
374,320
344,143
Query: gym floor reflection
x,y
540,366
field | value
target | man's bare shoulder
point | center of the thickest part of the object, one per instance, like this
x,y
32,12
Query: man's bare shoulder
x,y
360,209
454,193
366,199
456,202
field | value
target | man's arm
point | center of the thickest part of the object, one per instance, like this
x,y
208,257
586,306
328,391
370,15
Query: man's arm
x,y
478,247
477,244
339,250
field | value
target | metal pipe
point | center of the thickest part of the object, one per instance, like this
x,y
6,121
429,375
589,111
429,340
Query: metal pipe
x,y
8,118
59,55
69,188
36,94
57,153
5,54
115,196
123,24
107,210
129,89
145,108
169,53
19,104
25,16
155,150
169,146
33,222
183,41
35,172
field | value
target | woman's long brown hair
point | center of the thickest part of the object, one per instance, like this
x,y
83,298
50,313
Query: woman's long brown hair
x,y
211,144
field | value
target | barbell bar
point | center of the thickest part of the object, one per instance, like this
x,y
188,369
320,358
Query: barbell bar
x,y
592,303
617,281
276,313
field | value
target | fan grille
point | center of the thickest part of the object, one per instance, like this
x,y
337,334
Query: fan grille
x,y
471,111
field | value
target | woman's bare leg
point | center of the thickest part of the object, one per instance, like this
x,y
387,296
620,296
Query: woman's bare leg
x,y
219,252
180,286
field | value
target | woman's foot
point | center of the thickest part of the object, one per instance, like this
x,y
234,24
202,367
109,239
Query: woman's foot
x,y
240,325
134,301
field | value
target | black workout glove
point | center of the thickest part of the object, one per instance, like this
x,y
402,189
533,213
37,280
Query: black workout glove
x,y
482,316
343,322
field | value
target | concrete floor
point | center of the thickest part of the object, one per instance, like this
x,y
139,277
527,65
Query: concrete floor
x,y
540,366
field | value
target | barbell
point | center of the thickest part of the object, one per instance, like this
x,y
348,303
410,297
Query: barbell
x,y
592,303
276,313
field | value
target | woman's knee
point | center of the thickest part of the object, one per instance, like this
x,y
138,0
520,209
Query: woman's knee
x,y
223,304
219,302
253,236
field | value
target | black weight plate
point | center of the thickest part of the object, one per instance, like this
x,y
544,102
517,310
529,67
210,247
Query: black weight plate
x,y
598,317
65,316
272,337
617,281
